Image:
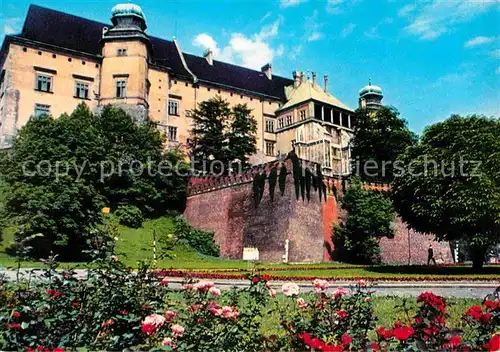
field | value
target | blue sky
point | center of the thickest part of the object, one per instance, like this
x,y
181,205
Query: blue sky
x,y
432,58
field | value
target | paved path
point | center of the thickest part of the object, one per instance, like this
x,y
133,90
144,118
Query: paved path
x,y
459,289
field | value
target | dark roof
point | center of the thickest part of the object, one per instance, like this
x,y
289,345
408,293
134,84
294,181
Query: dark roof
x,y
79,34
237,76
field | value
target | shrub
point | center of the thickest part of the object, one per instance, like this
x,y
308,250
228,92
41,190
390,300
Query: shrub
x,y
200,240
130,216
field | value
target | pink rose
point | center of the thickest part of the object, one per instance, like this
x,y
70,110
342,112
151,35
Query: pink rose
x,y
320,285
367,299
290,289
339,292
203,286
272,292
177,330
169,315
214,291
361,283
167,341
301,303
154,319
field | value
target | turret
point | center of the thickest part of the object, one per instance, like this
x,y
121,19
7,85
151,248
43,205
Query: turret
x,y
370,97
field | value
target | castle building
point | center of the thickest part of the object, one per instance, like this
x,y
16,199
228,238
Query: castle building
x,y
60,60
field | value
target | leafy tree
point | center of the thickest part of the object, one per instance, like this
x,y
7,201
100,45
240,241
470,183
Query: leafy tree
x,y
369,216
222,135
210,121
450,186
61,172
379,138
242,140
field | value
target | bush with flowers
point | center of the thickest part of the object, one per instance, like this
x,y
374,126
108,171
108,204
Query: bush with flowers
x,y
115,308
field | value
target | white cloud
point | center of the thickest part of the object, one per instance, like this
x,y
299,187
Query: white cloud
x,y
334,6
290,3
433,19
250,51
496,53
464,75
295,52
266,16
348,30
478,41
497,71
315,36
372,33
11,25
406,10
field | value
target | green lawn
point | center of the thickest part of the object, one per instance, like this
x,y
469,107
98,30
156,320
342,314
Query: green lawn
x,y
133,245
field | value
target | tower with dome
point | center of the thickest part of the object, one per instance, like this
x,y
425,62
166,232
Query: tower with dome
x,y
370,97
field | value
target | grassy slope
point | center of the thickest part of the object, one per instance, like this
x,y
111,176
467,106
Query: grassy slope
x,y
137,244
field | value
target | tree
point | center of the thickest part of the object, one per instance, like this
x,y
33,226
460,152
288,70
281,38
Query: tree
x,y
450,185
210,120
242,140
222,135
379,138
62,172
369,216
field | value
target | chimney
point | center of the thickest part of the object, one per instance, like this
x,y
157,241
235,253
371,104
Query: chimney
x,y
326,83
296,79
302,77
314,78
209,56
267,69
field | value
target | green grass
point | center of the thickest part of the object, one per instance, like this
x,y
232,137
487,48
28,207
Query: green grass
x,y
133,245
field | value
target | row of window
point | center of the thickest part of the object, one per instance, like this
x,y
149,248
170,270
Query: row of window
x,y
44,84
270,148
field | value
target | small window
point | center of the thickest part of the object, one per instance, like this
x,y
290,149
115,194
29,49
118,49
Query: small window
x,y
269,148
172,134
189,113
121,88
121,52
173,107
289,120
43,83
42,109
81,90
269,125
281,123
302,115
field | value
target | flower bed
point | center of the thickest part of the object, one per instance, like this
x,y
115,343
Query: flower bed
x,y
239,276
114,308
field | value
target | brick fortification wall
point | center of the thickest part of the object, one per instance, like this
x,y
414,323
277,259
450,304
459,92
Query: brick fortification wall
x,y
226,206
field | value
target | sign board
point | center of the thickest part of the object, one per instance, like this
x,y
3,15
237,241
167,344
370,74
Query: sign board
x,y
250,253
106,210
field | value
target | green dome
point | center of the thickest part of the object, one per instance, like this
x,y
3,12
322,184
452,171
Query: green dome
x,y
371,89
128,10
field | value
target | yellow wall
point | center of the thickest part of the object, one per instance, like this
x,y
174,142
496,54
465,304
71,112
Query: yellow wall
x,y
19,65
134,64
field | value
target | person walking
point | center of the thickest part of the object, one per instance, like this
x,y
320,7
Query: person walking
x,y
430,255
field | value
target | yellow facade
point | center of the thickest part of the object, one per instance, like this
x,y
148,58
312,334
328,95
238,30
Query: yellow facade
x,y
125,74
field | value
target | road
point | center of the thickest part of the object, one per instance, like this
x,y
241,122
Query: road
x,y
459,289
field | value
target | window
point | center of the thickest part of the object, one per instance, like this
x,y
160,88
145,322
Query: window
x,y
289,120
172,133
41,109
281,123
81,90
121,52
121,88
43,83
269,125
269,148
173,107
302,115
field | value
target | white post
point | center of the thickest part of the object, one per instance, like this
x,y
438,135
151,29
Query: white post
x,y
285,259
154,245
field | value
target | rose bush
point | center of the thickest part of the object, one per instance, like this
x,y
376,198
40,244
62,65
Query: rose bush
x,y
115,308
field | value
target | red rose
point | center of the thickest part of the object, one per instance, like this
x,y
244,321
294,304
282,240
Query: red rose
x,y
304,336
14,326
16,314
266,277
148,329
475,311
346,339
200,320
316,344
342,314
255,279
455,341
494,343
332,348
58,349
403,333
492,304
375,346
485,318
384,334
108,322
124,312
